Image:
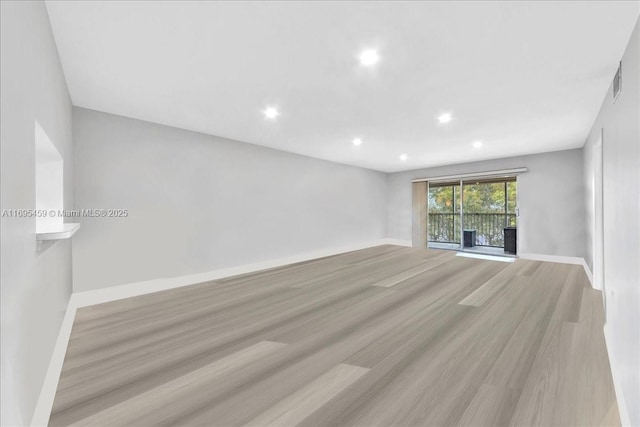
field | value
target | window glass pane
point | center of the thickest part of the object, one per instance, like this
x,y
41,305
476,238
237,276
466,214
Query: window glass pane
x,y
486,211
444,214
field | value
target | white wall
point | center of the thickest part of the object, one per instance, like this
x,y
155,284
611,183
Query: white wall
x,y
35,285
550,198
621,171
199,203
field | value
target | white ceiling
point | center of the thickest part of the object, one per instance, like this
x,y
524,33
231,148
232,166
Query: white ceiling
x,y
523,77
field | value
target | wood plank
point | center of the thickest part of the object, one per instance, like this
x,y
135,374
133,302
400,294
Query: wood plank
x,y
570,365
491,406
140,409
295,408
587,369
432,381
529,267
507,277
412,272
612,418
576,282
512,368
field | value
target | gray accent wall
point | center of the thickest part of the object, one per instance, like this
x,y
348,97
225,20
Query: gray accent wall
x,y
198,203
36,283
619,122
550,199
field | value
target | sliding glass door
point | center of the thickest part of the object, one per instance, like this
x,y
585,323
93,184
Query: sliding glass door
x,y
488,207
474,215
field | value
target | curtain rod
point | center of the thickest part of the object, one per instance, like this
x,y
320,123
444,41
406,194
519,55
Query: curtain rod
x,y
474,175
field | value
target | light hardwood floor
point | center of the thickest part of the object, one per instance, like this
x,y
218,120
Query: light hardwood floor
x,y
378,337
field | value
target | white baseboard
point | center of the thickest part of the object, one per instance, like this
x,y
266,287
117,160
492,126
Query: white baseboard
x,y
553,258
587,271
622,404
397,242
48,391
562,260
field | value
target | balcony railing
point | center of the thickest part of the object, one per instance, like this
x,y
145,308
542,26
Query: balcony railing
x,y
445,227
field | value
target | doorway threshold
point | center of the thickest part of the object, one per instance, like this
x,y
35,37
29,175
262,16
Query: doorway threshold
x,y
449,246
500,258
479,252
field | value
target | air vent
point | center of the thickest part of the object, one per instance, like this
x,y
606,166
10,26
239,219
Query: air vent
x,y
617,82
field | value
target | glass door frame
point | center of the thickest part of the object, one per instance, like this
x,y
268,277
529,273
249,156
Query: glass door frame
x,y
453,183
470,178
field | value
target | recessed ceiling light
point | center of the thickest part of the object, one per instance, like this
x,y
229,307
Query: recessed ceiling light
x,y
445,118
477,144
271,113
403,157
357,141
369,57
